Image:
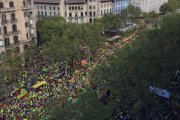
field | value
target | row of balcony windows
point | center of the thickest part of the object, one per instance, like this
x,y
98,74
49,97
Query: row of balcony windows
x,y
11,4
7,21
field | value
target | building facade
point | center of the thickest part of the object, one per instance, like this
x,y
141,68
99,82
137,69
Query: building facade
x,y
119,5
17,28
76,11
148,5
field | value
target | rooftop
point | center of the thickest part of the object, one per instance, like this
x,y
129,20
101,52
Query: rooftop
x,y
75,1
47,1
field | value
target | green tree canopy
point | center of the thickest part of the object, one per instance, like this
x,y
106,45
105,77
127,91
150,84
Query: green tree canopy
x,y
166,8
151,60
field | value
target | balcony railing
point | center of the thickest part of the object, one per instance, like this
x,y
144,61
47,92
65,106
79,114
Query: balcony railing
x,y
17,43
4,22
6,34
3,10
14,20
26,7
7,45
15,32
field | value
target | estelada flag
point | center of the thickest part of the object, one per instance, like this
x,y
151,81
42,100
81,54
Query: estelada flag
x,y
84,62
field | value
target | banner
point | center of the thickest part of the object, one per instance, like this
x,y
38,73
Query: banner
x,y
160,92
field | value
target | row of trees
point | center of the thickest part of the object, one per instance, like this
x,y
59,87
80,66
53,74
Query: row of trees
x,y
151,60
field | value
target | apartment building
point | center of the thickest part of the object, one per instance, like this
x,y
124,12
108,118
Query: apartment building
x,y
17,25
119,5
47,8
105,6
148,5
76,11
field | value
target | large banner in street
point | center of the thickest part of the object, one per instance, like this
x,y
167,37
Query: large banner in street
x,y
160,92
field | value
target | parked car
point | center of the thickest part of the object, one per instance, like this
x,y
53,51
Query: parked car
x,y
128,27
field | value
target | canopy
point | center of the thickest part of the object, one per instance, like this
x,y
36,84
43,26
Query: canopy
x,y
39,84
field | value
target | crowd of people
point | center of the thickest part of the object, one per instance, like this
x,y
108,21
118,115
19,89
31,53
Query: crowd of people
x,y
25,101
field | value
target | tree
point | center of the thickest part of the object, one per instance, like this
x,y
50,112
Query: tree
x,y
150,60
152,17
130,12
166,8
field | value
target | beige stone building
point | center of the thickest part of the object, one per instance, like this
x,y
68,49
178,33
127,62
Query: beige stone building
x,y
148,5
17,25
76,11
105,7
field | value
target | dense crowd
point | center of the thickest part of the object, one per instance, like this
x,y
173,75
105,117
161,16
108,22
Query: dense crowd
x,y
24,101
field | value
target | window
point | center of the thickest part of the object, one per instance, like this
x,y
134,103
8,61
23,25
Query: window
x,y
25,14
26,24
1,5
70,14
69,8
14,28
58,8
24,3
54,8
3,18
90,14
5,30
75,8
78,7
44,7
37,7
13,16
94,7
26,46
11,4
81,14
6,42
38,13
50,8
27,35
54,13
90,7
15,39
76,14
45,13
85,13
90,20
94,13
72,7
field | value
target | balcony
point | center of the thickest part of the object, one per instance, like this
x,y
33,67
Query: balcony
x,y
15,32
30,16
26,7
17,43
14,20
7,45
6,34
4,22
3,10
